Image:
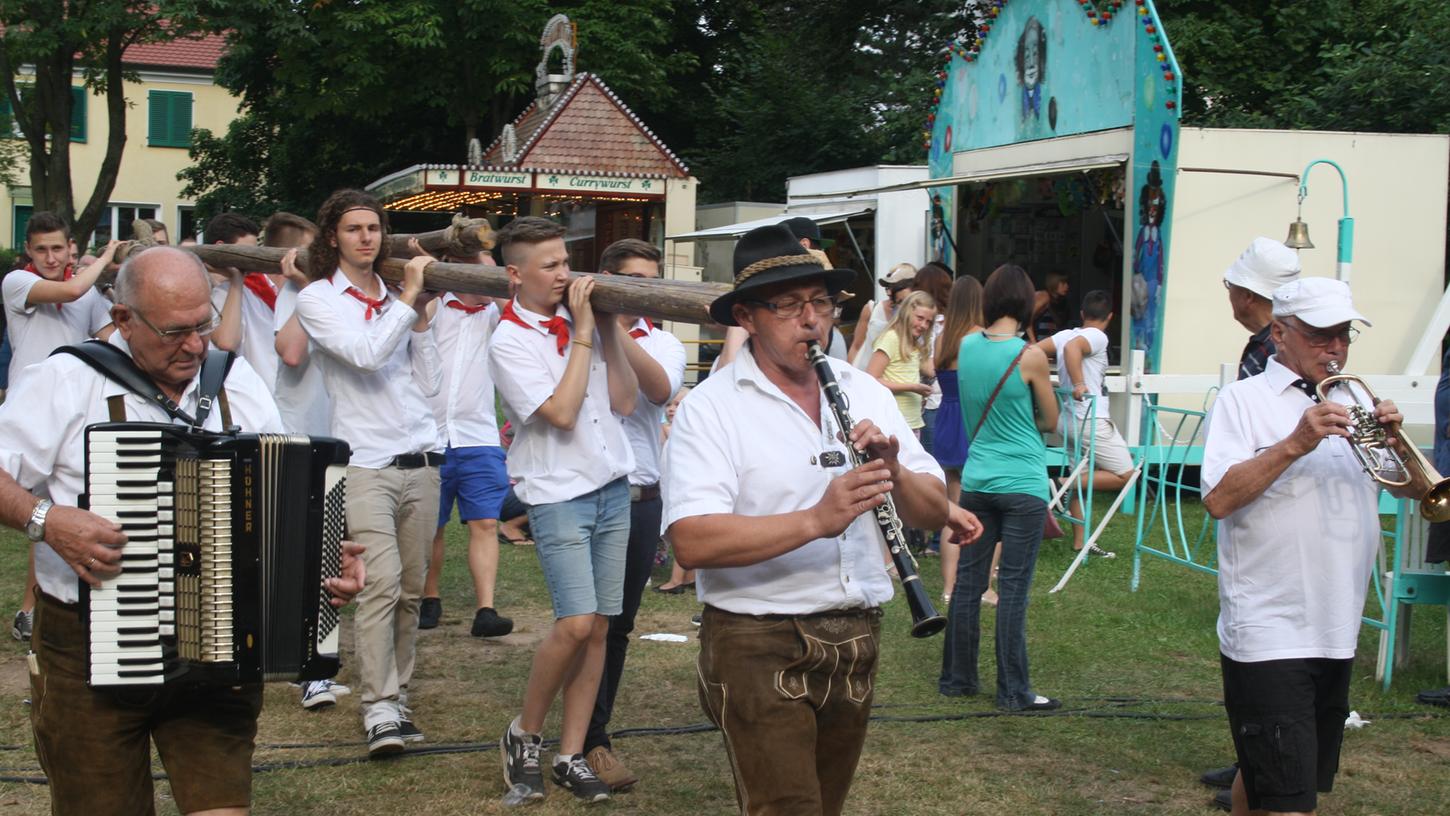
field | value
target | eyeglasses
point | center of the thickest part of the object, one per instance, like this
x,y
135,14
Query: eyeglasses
x,y
792,308
177,336
1320,339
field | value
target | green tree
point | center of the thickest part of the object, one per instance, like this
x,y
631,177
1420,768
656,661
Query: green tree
x,y
337,94
42,46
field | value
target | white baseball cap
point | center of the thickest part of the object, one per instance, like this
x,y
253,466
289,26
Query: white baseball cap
x,y
1320,302
1264,267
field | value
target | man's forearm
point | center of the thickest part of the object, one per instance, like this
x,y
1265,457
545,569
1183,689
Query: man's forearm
x,y
16,503
732,540
921,500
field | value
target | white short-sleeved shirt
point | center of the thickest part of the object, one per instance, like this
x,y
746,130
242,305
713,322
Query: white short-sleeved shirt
x,y
259,333
643,426
299,390
1094,368
379,372
44,451
739,445
550,464
464,406
36,331
1294,564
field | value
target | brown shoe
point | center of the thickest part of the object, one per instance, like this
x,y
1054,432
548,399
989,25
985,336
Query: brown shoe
x,y
610,770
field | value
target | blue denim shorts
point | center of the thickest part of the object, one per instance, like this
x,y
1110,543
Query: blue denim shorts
x,y
477,478
581,545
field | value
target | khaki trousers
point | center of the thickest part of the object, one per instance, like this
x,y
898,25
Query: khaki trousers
x,y
792,697
394,513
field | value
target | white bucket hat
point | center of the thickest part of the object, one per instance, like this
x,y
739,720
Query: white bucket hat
x,y
1320,302
1264,267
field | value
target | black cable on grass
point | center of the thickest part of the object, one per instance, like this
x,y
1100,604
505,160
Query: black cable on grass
x,y
23,775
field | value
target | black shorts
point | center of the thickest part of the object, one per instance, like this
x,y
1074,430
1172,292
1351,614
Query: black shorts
x,y
1287,718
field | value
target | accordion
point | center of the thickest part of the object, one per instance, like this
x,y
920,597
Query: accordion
x,y
229,537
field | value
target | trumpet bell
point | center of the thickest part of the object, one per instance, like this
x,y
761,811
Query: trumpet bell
x,y
1435,505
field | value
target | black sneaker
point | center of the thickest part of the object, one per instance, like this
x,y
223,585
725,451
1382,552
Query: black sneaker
x,y
429,613
575,776
521,764
384,740
488,623
406,729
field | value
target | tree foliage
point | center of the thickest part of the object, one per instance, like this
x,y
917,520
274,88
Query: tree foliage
x,y
337,94
51,41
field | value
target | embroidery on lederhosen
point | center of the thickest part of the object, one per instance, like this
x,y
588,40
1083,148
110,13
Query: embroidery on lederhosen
x,y
793,682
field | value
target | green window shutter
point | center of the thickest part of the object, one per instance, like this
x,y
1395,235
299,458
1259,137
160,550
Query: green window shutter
x,y
181,120
158,118
78,113
168,119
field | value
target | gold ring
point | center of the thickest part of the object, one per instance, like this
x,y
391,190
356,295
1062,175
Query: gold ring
x,y
91,563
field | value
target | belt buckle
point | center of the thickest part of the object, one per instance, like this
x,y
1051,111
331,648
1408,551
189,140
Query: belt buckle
x,y
635,492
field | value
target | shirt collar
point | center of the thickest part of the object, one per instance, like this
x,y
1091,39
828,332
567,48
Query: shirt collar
x,y
340,283
534,319
747,370
1278,375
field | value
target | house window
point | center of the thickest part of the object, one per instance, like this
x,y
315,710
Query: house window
x,y
22,220
186,224
78,98
116,221
168,119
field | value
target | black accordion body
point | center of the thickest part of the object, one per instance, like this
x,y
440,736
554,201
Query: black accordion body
x,y
229,537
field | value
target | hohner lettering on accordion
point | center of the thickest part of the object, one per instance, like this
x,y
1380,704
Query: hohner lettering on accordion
x,y
229,537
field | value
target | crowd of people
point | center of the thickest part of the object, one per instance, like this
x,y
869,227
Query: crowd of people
x,y
768,501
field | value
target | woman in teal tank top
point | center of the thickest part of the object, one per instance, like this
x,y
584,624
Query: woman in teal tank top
x,y
1004,481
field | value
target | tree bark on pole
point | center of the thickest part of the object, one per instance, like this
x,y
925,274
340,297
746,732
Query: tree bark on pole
x,y
657,299
464,238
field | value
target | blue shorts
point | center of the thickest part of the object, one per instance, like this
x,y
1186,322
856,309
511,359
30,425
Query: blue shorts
x,y
581,545
477,478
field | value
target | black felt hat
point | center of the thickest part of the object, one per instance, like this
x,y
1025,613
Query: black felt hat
x,y
770,255
803,227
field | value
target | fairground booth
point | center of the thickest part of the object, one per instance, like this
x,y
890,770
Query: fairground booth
x,y
1055,144
577,154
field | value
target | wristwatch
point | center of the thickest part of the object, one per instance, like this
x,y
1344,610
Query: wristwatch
x,y
35,529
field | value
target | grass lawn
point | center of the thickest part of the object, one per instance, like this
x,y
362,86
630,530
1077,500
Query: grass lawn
x,y
1138,674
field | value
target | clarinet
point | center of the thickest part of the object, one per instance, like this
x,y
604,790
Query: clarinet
x,y
925,621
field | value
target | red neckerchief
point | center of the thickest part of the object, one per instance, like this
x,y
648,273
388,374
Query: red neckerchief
x,y
557,326
638,333
70,272
464,307
374,306
262,287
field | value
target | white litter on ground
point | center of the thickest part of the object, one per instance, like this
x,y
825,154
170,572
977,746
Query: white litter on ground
x,y
665,637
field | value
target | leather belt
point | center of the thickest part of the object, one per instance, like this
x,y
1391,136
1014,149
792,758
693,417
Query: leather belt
x,y
639,493
412,461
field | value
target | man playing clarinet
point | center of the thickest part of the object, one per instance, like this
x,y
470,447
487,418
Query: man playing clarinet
x,y
759,496
95,744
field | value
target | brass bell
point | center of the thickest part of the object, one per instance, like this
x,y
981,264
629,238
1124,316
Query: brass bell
x,y
1299,236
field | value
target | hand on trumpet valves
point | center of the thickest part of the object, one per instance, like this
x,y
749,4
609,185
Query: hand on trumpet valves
x,y
1319,421
1389,416
871,440
849,495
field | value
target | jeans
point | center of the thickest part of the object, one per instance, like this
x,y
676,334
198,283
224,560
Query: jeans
x,y
639,560
581,546
1016,520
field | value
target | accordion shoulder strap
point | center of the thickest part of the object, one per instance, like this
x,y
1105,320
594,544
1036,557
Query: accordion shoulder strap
x,y
118,366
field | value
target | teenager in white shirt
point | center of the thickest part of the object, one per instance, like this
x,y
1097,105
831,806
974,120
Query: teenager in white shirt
x,y
247,301
380,364
474,474
48,304
1082,364
658,360
564,380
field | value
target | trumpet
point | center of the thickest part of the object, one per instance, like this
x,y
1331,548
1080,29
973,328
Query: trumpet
x,y
1370,442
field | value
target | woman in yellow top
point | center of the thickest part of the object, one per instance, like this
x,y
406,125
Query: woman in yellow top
x,y
901,359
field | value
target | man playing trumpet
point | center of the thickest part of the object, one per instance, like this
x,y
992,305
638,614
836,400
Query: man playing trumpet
x,y
1297,535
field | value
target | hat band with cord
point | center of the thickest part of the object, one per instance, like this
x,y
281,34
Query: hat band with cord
x,y
767,264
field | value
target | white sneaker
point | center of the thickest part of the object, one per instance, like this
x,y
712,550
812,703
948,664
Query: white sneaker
x,y
318,694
